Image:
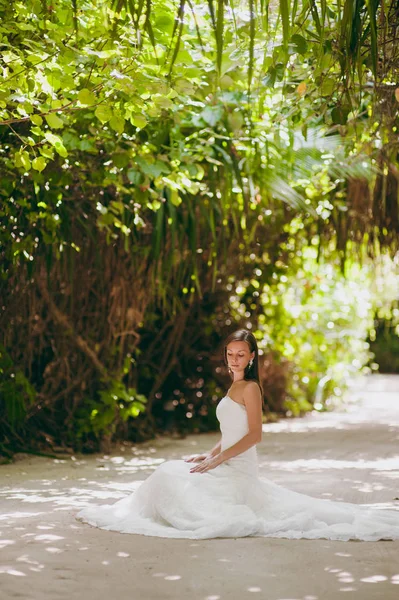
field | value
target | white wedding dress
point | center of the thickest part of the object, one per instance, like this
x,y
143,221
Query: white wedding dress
x,y
233,501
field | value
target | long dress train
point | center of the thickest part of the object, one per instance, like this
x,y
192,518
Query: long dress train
x,y
233,501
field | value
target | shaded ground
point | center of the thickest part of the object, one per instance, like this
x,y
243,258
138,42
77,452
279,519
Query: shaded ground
x,y
351,456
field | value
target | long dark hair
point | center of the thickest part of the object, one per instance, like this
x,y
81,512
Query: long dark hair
x,y
251,373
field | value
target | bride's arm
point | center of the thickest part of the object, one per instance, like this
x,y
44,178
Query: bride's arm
x,y
253,404
216,449
211,454
246,442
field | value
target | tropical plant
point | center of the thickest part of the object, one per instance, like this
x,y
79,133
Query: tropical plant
x,y
149,149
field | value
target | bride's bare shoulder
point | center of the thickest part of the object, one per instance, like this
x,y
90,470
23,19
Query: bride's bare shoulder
x,y
252,391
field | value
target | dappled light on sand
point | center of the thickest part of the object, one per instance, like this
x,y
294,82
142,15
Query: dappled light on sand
x,y
43,546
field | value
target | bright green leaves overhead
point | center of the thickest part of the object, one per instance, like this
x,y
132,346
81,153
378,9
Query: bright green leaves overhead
x,y
106,114
189,145
117,122
22,160
57,142
175,199
86,97
208,91
54,121
37,120
103,113
138,121
39,163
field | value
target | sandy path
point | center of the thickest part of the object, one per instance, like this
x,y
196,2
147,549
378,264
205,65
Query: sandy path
x,y
351,456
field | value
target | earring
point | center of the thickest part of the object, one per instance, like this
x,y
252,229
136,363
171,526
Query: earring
x,y
251,362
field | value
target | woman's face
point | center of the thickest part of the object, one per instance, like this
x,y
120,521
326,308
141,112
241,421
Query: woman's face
x,y
238,355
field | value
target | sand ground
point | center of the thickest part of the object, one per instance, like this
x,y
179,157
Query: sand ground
x,y
350,455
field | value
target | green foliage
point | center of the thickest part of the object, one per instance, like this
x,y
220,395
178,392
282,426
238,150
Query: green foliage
x,y
80,116
318,321
16,395
100,418
146,150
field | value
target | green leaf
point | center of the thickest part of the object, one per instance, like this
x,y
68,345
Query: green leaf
x,y
86,97
117,123
121,159
212,114
299,44
164,22
57,142
62,151
270,78
47,152
280,70
54,121
103,113
163,102
52,138
39,163
175,198
235,120
22,160
183,86
152,169
328,86
138,121
339,114
226,82
135,177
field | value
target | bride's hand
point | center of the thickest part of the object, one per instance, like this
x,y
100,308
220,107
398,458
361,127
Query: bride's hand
x,y
197,458
207,464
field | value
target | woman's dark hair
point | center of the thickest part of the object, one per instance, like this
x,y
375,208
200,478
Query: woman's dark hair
x,y
251,372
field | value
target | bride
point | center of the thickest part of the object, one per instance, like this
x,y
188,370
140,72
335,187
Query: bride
x,y
220,494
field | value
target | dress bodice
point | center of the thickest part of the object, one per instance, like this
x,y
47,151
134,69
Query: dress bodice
x,y
233,420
